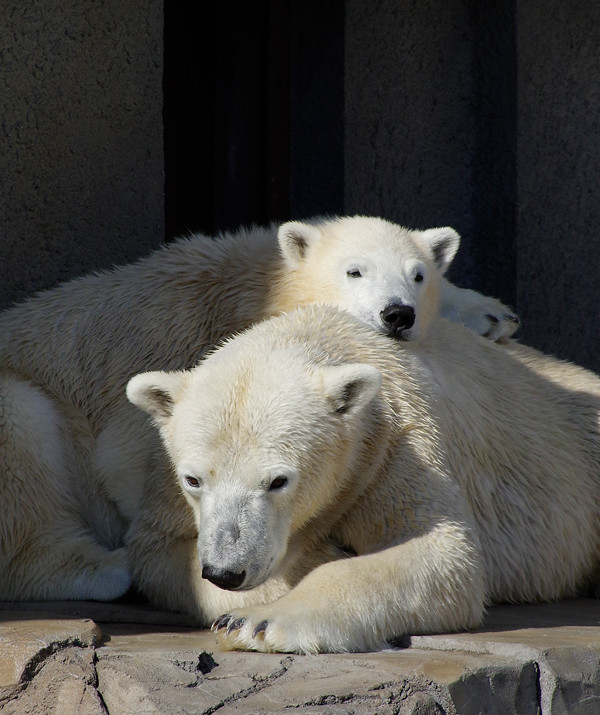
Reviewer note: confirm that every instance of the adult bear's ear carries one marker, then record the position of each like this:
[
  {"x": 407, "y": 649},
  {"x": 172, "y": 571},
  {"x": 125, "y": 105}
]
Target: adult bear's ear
[
  {"x": 443, "y": 244},
  {"x": 350, "y": 388},
  {"x": 156, "y": 392},
  {"x": 295, "y": 238}
]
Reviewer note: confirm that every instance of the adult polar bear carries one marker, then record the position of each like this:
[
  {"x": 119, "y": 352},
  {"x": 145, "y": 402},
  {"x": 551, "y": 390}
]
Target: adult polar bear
[
  {"x": 74, "y": 454},
  {"x": 459, "y": 471}
]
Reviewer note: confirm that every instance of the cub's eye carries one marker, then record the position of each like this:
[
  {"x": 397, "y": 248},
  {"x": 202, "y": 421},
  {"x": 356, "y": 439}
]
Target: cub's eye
[
  {"x": 191, "y": 482},
  {"x": 277, "y": 483},
  {"x": 354, "y": 273},
  {"x": 418, "y": 277}
]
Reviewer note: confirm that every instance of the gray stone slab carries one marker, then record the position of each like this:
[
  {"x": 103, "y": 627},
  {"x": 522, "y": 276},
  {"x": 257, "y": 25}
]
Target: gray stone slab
[
  {"x": 561, "y": 639},
  {"x": 185, "y": 670},
  {"x": 25, "y": 645},
  {"x": 525, "y": 659},
  {"x": 64, "y": 683}
]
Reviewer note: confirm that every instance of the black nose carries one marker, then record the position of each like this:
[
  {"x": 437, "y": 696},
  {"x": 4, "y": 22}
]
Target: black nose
[
  {"x": 228, "y": 580},
  {"x": 396, "y": 318}
]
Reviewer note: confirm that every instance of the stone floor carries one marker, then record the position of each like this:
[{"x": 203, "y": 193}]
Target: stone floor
[{"x": 85, "y": 658}]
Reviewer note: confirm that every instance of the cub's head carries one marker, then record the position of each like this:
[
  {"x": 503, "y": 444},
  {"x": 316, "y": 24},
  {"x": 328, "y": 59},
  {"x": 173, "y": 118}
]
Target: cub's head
[
  {"x": 261, "y": 442},
  {"x": 385, "y": 275}
]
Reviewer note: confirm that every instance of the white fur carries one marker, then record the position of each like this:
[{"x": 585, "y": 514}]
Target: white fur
[
  {"x": 43, "y": 520},
  {"x": 82, "y": 471},
  {"x": 485, "y": 316},
  {"x": 364, "y": 264},
  {"x": 460, "y": 472}
]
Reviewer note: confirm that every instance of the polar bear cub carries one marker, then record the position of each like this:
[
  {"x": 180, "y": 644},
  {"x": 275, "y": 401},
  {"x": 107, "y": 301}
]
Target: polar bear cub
[
  {"x": 389, "y": 277},
  {"x": 74, "y": 464},
  {"x": 425, "y": 460}
]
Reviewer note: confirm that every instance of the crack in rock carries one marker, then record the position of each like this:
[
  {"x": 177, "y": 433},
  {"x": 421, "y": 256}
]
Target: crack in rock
[
  {"x": 37, "y": 662},
  {"x": 260, "y": 683},
  {"x": 96, "y": 683},
  {"x": 61, "y": 672},
  {"x": 394, "y": 697},
  {"x": 330, "y": 700}
]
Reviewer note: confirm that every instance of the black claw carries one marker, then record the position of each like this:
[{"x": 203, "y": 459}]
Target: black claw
[
  {"x": 235, "y": 625},
  {"x": 260, "y": 628},
  {"x": 220, "y": 622}
]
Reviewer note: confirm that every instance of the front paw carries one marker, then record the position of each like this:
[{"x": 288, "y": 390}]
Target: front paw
[
  {"x": 499, "y": 325},
  {"x": 267, "y": 629},
  {"x": 485, "y": 315},
  {"x": 292, "y": 627},
  {"x": 488, "y": 317},
  {"x": 243, "y": 631}
]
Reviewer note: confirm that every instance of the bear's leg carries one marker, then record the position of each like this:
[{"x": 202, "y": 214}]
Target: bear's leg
[
  {"x": 45, "y": 551},
  {"x": 430, "y": 583},
  {"x": 51, "y": 566},
  {"x": 486, "y": 316}
]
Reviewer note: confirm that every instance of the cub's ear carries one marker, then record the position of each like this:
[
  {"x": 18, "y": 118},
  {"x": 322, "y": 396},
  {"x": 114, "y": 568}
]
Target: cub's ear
[
  {"x": 350, "y": 388},
  {"x": 156, "y": 392},
  {"x": 294, "y": 239},
  {"x": 443, "y": 244}
]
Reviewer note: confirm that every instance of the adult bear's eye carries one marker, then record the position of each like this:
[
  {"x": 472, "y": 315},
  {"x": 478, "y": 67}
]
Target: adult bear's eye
[
  {"x": 354, "y": 273},
  {"x": 277, "y": 483},
  {"x": 418, "y": 277},
  {"x": 191, "y": 482}
]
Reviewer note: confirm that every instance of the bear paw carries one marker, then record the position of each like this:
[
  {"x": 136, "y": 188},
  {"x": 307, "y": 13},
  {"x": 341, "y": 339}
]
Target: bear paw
[
  {"x": 486, "y": 316},
  {"x": 255, "y": 629},
  {"x": 499, "y": 327},
  {"x": 237, "y": 633},
  {"x": 294, "y": 627}
]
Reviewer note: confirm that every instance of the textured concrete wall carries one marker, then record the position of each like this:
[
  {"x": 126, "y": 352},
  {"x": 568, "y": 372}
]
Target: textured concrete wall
[
  {"x": 558, "y": 241},
  {"x": 430, "y": 122},
  {"x": 81, "y": 160},
  {"x": 486, "y": 116},
  {"x": 410, "y": 124}
]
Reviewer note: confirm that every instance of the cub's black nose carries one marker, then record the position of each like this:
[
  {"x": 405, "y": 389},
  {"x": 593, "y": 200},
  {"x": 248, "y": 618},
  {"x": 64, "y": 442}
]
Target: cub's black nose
[
  {"x": 229, "y": 580},
  {"x": 397, "y": 318}
]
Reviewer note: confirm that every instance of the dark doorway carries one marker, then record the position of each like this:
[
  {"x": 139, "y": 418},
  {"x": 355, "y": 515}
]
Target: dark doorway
[{"x": 253, "y": 113}]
